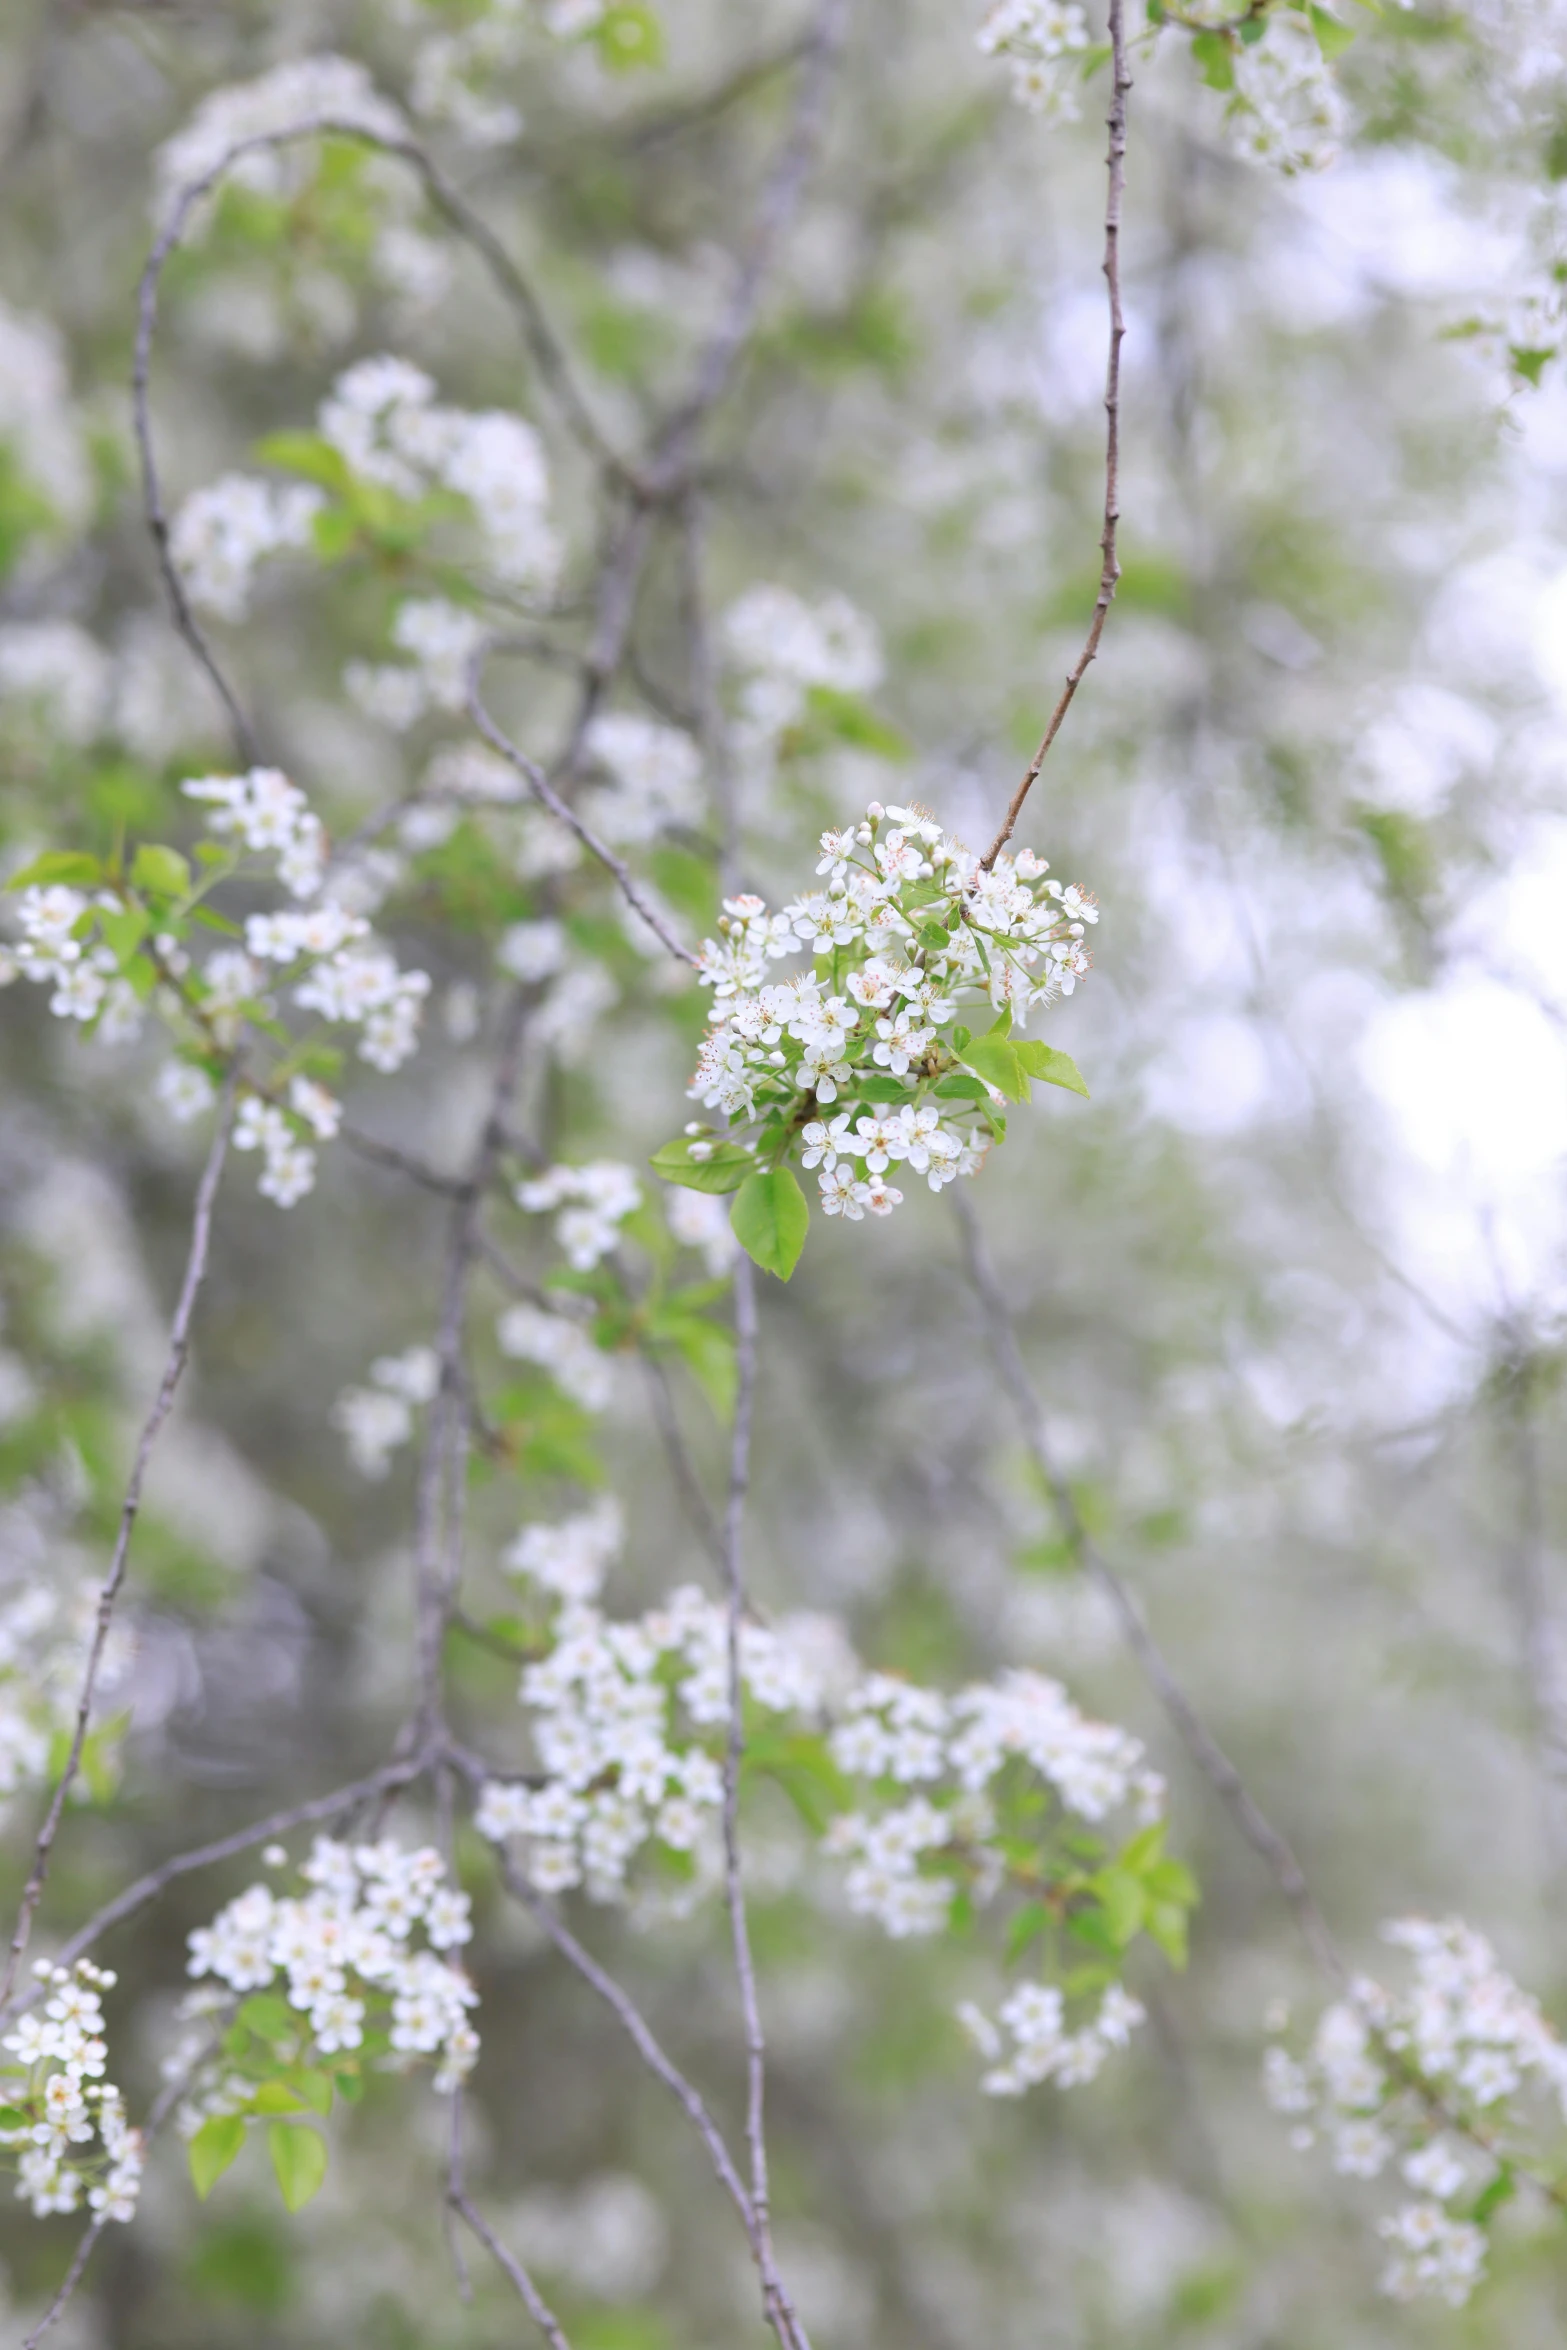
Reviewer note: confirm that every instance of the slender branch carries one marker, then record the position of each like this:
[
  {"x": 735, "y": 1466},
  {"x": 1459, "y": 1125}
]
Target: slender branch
[
  {"x": 1258, "y": 1830},
  {"x": 638, "y": 2030},
  {"x": 775, "y": 2300},
  {"x": 698, "y": 1508},
  {"x": 136, "y": 1896},
  {"x": 400, "y": 1162},
  {"x": 547, "y": 352},
  {"x": 528, "y": 2292},
  {"x": 174, "y": 1365},
  {"x": 539, "y": 783},
  {"x": 1110, "y": 571}
]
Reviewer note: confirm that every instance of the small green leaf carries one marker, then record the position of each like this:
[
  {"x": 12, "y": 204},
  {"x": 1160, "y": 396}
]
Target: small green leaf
[
  {"x": 1043, "y": 1061},
  {"x": 315, "y": 2088},
  {"x": 1211, "y": 52},
  {"x": 875, "y": 1088},
  {"x": 269, "y": 2016},
  {"x": 770, "y": 1220},
  {"x": 125, "y": 931},
  {"x": 1031, "y": 1921},
  {"x": 1333, "y": 38},
  {"x": 849, "y": 720},
  {"x": 162, "y": 872},
  {"x": 71, "y": 866},
  {"x": 308, "y": 455},
  {"x": 213, "y": 2148},
  {"x": 959, "y": 1088},
  {"x": 276, "y": 2097},
  {"x": 333, "y": 531},
  {"x": 995, "y": 1058},
  {"x": 1501, "y": 2190},
  {"x": 1124, "y": 1904},
  {"x": 724, "y": 1167},
  {"x": 299, "y": 2159},
  {"x": 1172, "y": 1882},
  {"x": 12, "y": 2118},
  {"x": 1167, "y": 1926}
]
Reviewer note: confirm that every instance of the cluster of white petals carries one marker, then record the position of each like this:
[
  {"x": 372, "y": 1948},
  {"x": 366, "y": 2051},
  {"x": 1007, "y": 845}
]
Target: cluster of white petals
[
  {"x": 377, "y": 1420},
  {"x": 301, "y": 91},
  {"x": 225, "y": 530},
  {"x": 655, "y": 778},
  {"x": 594, "y": 1201},
  {"x": 908, "y": 926},
  {"x": 778, "y": 647},
  {"x": 561, "y": 1346},
  {"x": 1286, "y": 111},
  {"x": 899, "y": 1735},
  {"x": 346, "y": 1954},
  {"x": 74, "y": 2142},
  {"x": 1029, "y": 2042},
  {"x": 1039, "y": 39},
  {"x": 39, "y": 427},
  {"x": 45, "y": 1635},
  {"x": 1401, "y": 2075}
]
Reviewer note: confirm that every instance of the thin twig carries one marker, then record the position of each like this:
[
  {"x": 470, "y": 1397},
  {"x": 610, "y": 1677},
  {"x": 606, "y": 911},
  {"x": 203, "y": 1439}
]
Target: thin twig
[
  {"x": 1110, "y": 571},
  {"x": 1200, "y": 1742},
  {"x": 698, "y": 1508},
  {"x": 136, "y": 1896},
  {"x": 528, "y": 2292},
  {"x": 638, "y": 2030},
  {"x": 775, "y": 2301},
  {"x": 174, "y": 1365},
  {"x": 539, "y": 783}
]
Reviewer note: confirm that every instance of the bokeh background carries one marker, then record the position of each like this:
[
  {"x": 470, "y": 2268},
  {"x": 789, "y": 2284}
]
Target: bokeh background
[{"x": 1290, "y": 1285}]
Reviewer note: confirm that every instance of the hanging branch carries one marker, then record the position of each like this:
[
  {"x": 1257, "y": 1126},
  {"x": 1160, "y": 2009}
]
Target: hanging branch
[{"x": 1110, "y": 572}]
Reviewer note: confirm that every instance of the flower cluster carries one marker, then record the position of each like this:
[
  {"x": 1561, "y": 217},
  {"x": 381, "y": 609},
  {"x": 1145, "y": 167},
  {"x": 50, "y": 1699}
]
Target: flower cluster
[
  {"x": 912, "y": 1857},
  {"x": 53, "y": 952},
  {"x": 56, "y": 2084},
  {"x": 1428, "y": 2078},
  {"x": 226, "y": 529},
  {"x": 377, "y": 1420},
  {"x": 39, "y": 426},
  {"x": 624, "y": 1716},
  {"x": 655, "y": 778},
  {"x": 908, "y": 925},
  {"x": 780, "y": 649},
  {"x": 563, "y": 1347},
  {"x": 345, "y": 1953},
  {"x": 1037, "y": 38},
  {"x": 1286, "y": 110},
  {"x": 1034, "y": 2045},
  {"x": 301, "y": 91},
  {"x": 594, "y": 1201}
]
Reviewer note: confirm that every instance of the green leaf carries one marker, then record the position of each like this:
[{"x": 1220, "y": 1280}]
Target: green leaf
[
  {"x": 125, "y": 931},
  {"x": 1333, "y": 38},
  {"x": 1144, "y": 1851},
  {"x": 276, "y": 2097},
  {"x": 314, "y": 2087},
  {"x": 995, "y": 1058},
  {"x": 1031, "y": 1921},
  {"x": 628, "y": 36},
  {"x": 71, "y": 866},
  {"x": 801, "y": 1764},
  {"x": 959, "y": 1088},
  {"x": 960, "y": 1038},
  {"x": 269, "y": 2016},
  {"x": 1211, "y": 51},
  {"x": 724, "y": 1168},
  {"x": 771, "y": 1220},
  {"x": 333, "y": 531},
  {"x": 708, "y": 1351},
  {"x": 1124, "y": 1904},
  {"x": 875, "y": 1088},
  {"x": 1172, "y": 1882},
  {"x": 299, "y": 2159},
  {"x": 161, "y": 871},
  {"x": 1501, "y": 2190},
  {"x": 308, "y": 455},
  {"x": 1043, "y": 1061},
  {"x": 213, "y": 2148},
  {"x": 1166, "y": 1925},
  {"x": 12, "y": 2118}
]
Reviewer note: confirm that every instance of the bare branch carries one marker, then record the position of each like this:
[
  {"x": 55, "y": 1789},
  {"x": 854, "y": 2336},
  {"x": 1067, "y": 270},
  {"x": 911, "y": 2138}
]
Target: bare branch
[
  {"x": 174, "y": 1365},
  {"x": 1120, "y": 87},
  {"x": 775, "y": 2301},
  {"x": 528, "y": 2292},
  {"x": 542, "y": 788}
]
